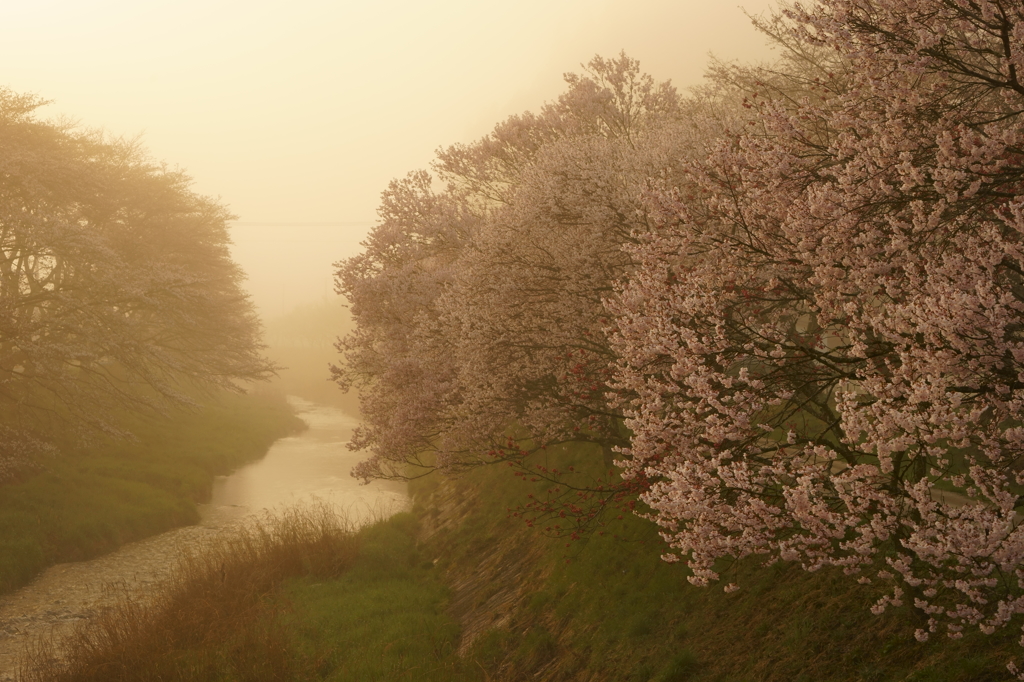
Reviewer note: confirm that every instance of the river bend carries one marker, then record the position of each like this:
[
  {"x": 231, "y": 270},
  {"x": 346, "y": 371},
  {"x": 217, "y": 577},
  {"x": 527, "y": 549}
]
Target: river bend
[{"x": 312, "y": 465}]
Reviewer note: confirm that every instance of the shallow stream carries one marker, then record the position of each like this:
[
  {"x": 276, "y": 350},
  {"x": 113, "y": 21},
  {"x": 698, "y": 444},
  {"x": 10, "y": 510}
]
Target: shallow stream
[{"x": 312, "y": 465}]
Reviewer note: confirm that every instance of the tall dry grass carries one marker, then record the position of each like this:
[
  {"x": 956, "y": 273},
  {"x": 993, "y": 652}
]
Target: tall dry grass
[{"x": 212, "y": 620}]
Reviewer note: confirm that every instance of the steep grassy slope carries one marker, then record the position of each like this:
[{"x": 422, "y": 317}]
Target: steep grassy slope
[{"x": 607, "y": 608}]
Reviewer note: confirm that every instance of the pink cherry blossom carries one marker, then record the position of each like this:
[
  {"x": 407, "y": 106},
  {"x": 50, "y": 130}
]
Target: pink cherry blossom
[{"x": 825, "y": 329}]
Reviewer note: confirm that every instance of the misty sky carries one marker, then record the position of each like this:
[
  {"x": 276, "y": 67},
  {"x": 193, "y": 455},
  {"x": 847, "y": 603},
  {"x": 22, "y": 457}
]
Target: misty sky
[{"x": 298, "y": 114}]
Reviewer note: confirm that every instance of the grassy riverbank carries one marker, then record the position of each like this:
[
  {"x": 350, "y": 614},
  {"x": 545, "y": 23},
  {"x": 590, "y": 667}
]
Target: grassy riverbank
[
  {"x": 607, "y": 608},
  {"x": 299, "y": 597},
  {"x": 459, "y": 591},
  {"x": 91, "y": 500}
]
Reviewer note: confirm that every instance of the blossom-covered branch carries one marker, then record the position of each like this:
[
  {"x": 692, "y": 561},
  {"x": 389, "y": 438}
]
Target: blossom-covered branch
[{"x": 825, "y": 332}]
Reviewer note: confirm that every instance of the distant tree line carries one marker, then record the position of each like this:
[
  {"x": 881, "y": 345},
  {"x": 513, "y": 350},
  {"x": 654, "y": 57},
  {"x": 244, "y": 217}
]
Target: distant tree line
[
  {"x": 790, "y": 302},
  {"x": 117, "y": 291}
]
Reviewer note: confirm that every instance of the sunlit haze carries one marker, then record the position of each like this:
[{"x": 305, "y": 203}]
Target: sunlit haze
[{"x": 297, "y": 115}]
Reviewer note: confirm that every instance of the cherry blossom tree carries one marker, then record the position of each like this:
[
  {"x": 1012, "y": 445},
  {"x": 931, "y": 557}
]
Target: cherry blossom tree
[
  {"x": 820, "y": 348},
  {"x": 117, "y": 291},
  {"x": 479, "y": 306},
  {"x": 395, "y": 356}
]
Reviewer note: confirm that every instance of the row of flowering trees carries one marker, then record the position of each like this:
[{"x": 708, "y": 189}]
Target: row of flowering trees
[
  {"x": 480, "y": 304},
  {"x": 792, "y": 301},
  {"x": 117, "y": 292}
]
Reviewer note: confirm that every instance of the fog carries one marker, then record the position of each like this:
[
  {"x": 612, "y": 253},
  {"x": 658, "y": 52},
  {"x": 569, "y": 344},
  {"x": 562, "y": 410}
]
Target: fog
[{"x": 297, "y": 115}]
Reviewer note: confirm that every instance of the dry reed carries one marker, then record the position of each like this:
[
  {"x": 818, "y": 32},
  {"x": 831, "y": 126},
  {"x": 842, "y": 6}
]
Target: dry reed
[{"x": 211, "y": 618}]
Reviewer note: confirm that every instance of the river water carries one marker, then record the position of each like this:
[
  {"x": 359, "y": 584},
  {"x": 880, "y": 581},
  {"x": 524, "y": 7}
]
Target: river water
[
  {"x": 311, "y": 466},
  {"x": 314, "y": 464}
]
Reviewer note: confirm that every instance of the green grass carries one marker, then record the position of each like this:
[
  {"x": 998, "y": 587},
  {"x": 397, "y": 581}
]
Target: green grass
[
  {"x": 301, "y": 597},
  {"x": 217, "y": 617},
  {"x": 91, "y": 500},
  {"x": 602, "y": 608},
  {"x": 609, "y": 608},
  {"x": 384, "y": 619}
]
